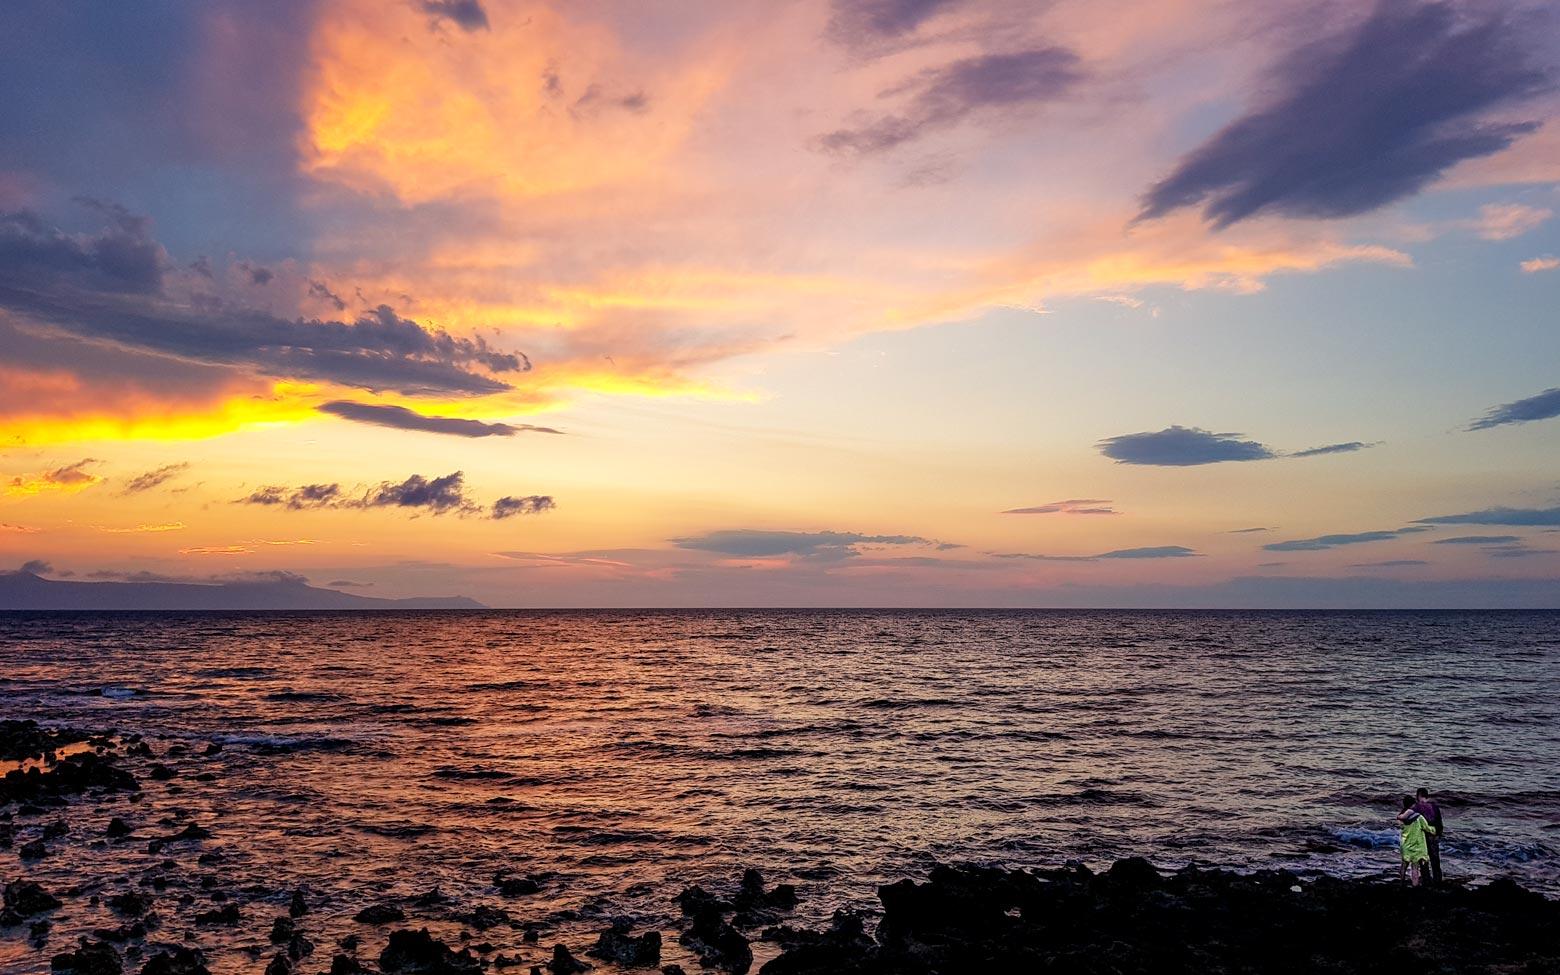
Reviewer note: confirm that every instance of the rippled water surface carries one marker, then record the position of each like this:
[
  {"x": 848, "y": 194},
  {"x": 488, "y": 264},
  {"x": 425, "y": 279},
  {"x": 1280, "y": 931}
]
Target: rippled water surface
[{"x": 372, "y": 756}]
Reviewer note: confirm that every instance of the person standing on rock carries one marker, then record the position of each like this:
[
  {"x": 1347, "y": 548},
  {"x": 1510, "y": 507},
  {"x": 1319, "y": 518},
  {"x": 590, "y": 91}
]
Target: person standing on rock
[
  {"x": 1432, "y": 813},
  {"x": 1412, "y": 843}
]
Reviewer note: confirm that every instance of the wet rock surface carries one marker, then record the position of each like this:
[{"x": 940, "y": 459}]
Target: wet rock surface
[{"x": 1133, "y": 919}]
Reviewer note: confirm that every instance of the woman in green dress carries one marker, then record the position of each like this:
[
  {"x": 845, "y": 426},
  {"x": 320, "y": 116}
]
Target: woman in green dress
[{"x": 1413, "y": 843}]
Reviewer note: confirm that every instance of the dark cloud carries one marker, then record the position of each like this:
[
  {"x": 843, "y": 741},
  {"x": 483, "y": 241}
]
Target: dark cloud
[
  {"x": 154, "y": 478},
  {"x": 1178, "y": 446},
  {"x": 258, "y": 275},
  {"x": 1389, "y": 564},
  {"x": 1544, "y": 406},
  {"x": 531, "y": 504},
  {"x": 1246, "y": 531},
  {"x": 108, "y": 288},
  {"x": 122, "y": 259},
  {"x": 1363, "y": 119},
  {"x": 1150, "y": 552},
  {"x": 1333, "y": 448},
  {"x": 439, "y": 495},
  {"x": 297, "y": 499},
  {"x": 318, "y": 289},
  {"x": 1322, "y": 542},
  {"x": 402, "y": 418},
  {"x": 1075, "y": 506},
  {"x": 856, "y": 22},
  {"x": 1515, "y": 517},
  {"x": 37, "y": 567},
  {"x": 945, "y": 96},
  {"x": 468, "y": 15},
  {"x": 826, "y": 546},
  {"x": 1477, "y": 540}
]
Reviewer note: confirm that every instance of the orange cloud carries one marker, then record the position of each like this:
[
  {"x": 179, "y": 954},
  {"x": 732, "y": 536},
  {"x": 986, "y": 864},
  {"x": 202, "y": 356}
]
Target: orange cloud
[
  {"x": 69, "y": 479},
  {"x": 539, "y": 105}
]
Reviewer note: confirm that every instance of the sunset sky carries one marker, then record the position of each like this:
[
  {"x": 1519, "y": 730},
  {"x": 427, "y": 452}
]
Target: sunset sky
[{"x": 786, "y": 302}]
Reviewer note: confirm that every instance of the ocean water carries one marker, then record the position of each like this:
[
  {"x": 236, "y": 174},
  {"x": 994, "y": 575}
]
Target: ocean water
[{"x": 621, "y": 755}]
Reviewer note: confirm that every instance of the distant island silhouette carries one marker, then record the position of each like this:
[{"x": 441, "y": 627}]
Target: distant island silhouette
[{"x": 25, "y": 590}]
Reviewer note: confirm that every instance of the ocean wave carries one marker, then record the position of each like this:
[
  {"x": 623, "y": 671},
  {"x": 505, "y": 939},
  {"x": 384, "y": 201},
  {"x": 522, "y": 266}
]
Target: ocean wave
[{"x": 284, "y": 744}]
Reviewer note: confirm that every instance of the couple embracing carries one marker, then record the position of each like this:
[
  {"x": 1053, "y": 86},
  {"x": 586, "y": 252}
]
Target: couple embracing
[{"x": 1420, "y": 843}]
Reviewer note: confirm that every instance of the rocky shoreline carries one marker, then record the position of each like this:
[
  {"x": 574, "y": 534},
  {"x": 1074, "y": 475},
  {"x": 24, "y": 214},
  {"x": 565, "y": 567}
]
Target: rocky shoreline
[{"x": 177, "y": 914}]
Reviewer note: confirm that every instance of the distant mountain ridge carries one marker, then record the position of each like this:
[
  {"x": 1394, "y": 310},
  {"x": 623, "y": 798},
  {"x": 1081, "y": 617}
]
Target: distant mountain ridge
[{"x": 26, "y": 590}]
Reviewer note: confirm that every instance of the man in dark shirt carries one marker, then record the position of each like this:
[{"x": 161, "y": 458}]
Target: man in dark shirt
[{"x": 1432, "y": 814}]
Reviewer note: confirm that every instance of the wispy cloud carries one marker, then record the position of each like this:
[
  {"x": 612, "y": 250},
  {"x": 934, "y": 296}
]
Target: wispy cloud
[
  {"x": 1360, "y": 120},
  {"x": 1477, "y": 540},
  {"x": 401, "y": 418},
  {"x": 71, "y": 477},
  {"x": 1547, "y": 262},
  {"x": 153, "y": 478},
  {"x": 1333, "y": 448},
  {"x": 821, "y": 546},
  {"x": 1149, "y": 552},
  {"x": 1514, "y": 517},
  {"x": 1321, "y": 542},
  {"x": 1075, "y": 506},
  {"x": 1388, "y": 564},
  {"x": 152, "y": 529},
  {"x": 945, "y": 96},
  {"x": 1542, "y": 406},
  {"x": 1504, "y": 221}
]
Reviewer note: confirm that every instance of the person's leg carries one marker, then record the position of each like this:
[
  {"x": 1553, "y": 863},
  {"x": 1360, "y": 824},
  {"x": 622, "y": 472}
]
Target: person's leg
[
  {"x": 1435, "y": 860},
  {"x": 1413, "y": 874}
]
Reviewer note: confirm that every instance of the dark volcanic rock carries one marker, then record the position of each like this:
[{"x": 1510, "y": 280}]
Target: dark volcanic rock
[
  {"x": 419, "y": 951},
  {"x": 296, "y": 907},
  {"x": 159, "y": 773},
  {"x": 228, "y": 914},
  {"x": 71, "y": 775},
  {"x": 696, "y": 900},
  {"x": 1132, "y": 920},
  {"x": 25, "y": 898},
  {"x": 130, "y": 903},
  {"x": 718, "y": 944},
  {"x": 484, "y": 917},
  {"x": 515, "y": 886},
  {"x": 280, "y": 965},
  {"x": 179, "y": 961},
  {"x": 282, "y": 930},
  {"x": 92, "y": 958},
  {"x": 344, "y": 965},
  {"x": 755, "y": 905},
  {"x": 36, "y": 850},
  {"x": 564, "y": 963},
  {"x": 379, "y": 914},
  {"x": 622, "y": 948},
  {"x": 117, "y": 828}
]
